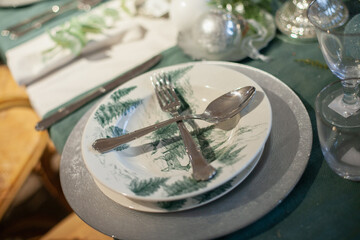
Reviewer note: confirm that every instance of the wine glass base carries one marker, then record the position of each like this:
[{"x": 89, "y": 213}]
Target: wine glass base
[
  {"x": 345, "y": 111},
  {"x": 339, "y": 136},
  {"x": 347, "y": 170}
]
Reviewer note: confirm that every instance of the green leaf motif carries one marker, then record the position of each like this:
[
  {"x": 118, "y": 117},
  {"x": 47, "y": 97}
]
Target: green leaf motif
[
  {"x": 75, "y": 34},
  {"x": 172, "y": 205},
  {"x": 186, "y": 185},
  {"x": 115, "y": 131},
  {"x": 171, "y": 156},
  {"x": 146, "y": 187},
  {"x": 204, "y": 141},
  {"x": 229, "y": 156},
  {"x": 246, "y": 129},
  {"x": 172, "y": 147},
  {"x": 164, "y": 133},
  {"x": 313, "y": 63},
  {"x": 177, "y": 74},
  {"x": 213, "y": 193},
  {"x": 184, "y": 89},
  {"x": 117, "y": 95},
  {"x": 112, "y": 110}
]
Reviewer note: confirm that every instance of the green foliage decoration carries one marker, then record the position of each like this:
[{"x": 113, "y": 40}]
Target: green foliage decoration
[
  {"x": 186, "y": 185},
  {"x": 74, "y": 34},
  {"x": 313, "y": 63},
  {"x": 146, "y": 187},
  {"x": 115, "y": 131},
  {"x": 172, "y": 205},
  {"x": 112, "y": 110},
  {"x": 213, "y": 193}
]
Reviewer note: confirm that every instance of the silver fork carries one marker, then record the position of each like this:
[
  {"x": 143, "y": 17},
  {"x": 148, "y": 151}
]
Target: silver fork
[{"x": 169, "y": 102}]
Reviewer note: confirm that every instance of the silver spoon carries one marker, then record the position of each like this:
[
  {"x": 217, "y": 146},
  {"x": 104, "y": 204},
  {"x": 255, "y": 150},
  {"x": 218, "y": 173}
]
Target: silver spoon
[{"x": 220, "y": 109}]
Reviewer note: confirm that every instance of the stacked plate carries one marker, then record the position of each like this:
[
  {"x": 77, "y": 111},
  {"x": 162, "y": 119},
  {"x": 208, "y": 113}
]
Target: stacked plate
[{"x": 153, "y": 173}]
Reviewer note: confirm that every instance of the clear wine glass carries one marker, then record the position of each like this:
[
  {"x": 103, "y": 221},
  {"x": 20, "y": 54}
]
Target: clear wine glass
[{"x": 337, "y": 24}]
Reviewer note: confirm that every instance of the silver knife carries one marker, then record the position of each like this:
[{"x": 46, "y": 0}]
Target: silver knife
[{"x": 66, "y": 110}]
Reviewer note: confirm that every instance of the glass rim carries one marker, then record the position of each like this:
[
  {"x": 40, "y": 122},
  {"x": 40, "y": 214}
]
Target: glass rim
[{"x": 326, "y": 30}]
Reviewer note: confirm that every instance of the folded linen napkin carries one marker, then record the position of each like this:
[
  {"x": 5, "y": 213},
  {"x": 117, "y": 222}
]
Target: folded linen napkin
[
  {"x": 29, "y": 61},
  {"x": 132, "y": 41},
  {"x": 89, "y": 71}
]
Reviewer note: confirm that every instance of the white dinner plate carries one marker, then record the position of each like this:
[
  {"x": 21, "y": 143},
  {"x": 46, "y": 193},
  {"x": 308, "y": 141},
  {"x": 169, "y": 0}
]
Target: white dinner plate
[
  {"x": 155, "y": 167},
  {"x": 182, "y": 204}
]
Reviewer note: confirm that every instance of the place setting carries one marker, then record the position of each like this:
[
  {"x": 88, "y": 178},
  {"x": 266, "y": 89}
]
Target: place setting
[
  {"x": 150, "y": 176},
  {"x": 156, "y": 167},
  {"x": 183, "y": 119},
  {"x": 178, "y": 145}
]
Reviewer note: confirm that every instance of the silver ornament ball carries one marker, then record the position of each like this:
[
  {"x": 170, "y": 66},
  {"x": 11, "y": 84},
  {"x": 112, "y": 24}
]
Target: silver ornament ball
[{"x": 217, "y": 31}]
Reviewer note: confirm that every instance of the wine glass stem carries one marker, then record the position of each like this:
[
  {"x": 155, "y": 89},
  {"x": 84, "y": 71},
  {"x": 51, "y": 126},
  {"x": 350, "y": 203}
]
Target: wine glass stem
[{"x": 351, "y": 90}]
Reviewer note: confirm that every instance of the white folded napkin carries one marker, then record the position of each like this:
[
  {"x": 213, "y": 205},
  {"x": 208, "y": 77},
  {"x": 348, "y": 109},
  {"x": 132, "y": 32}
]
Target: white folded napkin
[
  {"x": 28, "y": 62},
  {"x": 132, "y": 41}
]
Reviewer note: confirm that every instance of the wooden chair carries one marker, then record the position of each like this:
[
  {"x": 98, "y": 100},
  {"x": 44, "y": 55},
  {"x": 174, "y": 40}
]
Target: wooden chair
[
  {"x": 72, "y": 227},
  {"x": 22, "y": 148},
  {"x": 10, "y": 93}
]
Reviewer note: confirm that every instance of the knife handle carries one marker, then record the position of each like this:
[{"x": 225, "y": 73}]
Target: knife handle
[
  {"x": 65, "y": 111},
  {"x": 104, "y": 145}
]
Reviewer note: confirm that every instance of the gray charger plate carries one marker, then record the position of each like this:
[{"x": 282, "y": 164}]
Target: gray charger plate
[{"x": 285, "y": 157}]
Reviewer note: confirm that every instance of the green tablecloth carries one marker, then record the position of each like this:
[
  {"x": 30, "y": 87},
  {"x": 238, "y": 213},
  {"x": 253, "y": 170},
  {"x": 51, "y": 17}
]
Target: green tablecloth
[{"x": 322, "y": 205}]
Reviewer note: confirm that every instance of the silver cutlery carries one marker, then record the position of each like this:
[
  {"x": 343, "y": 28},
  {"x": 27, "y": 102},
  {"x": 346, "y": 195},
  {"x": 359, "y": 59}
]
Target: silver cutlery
[
  {"x": 220, "y": 109},
  {"x": 66, "y": 110},
  {"x": 37, "y": 21},
  {"x": 169, "y": 102}
]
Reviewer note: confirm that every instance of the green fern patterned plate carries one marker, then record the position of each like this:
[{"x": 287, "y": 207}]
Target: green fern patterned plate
[
  {"x": 182, "y": 204},
  {"x": 155, "y": 167}
]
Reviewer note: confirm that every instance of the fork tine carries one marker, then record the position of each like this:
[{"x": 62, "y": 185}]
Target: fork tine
[
  {"x": 164, "y": 91},
  {"x": 171, "y": 89},
  {"x": 155, "y": 82}
]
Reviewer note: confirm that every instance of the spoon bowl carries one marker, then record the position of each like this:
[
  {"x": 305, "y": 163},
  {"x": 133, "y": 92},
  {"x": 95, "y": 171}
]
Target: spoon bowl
[{"x": 227, "y": 105}]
